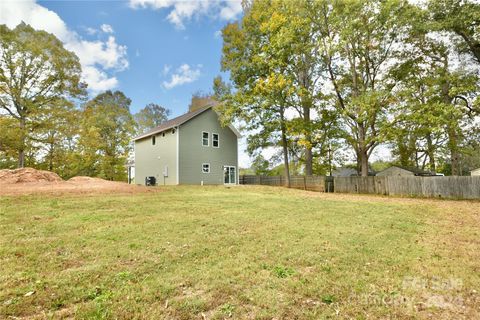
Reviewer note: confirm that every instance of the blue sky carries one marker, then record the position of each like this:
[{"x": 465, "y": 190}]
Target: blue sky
[{"x": 157, "y": 51}]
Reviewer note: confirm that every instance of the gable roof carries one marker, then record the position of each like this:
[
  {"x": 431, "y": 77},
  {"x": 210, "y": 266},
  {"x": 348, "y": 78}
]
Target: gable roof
[
  {"x": 175, "y": 122},
  {"x": 414, "y": 170}
]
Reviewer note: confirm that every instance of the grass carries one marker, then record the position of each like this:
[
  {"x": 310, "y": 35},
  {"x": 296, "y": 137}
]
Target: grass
[{"x": 240, "y": 253}]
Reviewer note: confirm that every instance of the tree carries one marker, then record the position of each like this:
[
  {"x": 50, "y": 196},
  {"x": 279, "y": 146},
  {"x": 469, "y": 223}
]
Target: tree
[
  {"x": 435, "y": 109},
  {"x": 35, "y": 71},
  {"x": 200, "y": 100},
  {"x": 260, "y": 165},
  {"x": 150, "y": 117},
  {"x": 461, "y": 17},
  {"x": 57, "y": 137},
  {"x": 360, "y": 40},
  {"x": 262, "y": 90},
  {"x": 106, "y": 130}
]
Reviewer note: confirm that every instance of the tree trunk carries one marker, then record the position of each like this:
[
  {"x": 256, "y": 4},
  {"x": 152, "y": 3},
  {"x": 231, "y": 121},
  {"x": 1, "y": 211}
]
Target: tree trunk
[
  {"x": 285, "y": 150},
  {"x": 431, "y": 153},
  {"x": 454, "y": 154},
  {"x": 308, "y": 138},
  {"x": 21, "y": 151},
  {"x": 364, "y": 162},
  {"x": 362, "y": 153}
]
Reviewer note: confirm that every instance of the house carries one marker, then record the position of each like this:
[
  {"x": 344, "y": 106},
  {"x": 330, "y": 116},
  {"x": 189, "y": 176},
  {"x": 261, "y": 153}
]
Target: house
[
  {"x": 193, "y": 148},
  {"x": 475, "y": 172},
  {"x": 349, "y": 172},
  {"x": 344, "y": 172},
  {"x": 404, "y": 171}
]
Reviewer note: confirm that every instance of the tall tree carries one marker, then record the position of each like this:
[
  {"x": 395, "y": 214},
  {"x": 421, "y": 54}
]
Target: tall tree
[
  {"x": 106, "y": 130},
  {"x": 150, "y": 117},
  {"x": 262, "y": 91},
  {"x": 461, "y": 17},
  {"x": 360, "y": 40},
  {"x": 35, "y": 71}
]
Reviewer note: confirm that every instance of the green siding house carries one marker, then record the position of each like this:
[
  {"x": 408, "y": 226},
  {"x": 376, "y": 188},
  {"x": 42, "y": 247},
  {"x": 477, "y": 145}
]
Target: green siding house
[{"x": 190, "y": 149}]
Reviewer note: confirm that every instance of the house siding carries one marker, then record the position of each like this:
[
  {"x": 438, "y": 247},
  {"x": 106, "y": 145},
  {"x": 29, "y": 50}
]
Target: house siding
[
  {"x": 150, "y": 160},
  {"x": 192, "y": 154}
]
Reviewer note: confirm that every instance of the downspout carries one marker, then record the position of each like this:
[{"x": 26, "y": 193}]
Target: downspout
[{"x": 178, "y": 154}]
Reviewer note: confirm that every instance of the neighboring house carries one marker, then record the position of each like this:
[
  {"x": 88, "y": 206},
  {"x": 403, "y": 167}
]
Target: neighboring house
[
  {"x": 190, "y": 149},
  {"x": 404, "y": 171},
  {"x": 349, "y": 172},
  {"x": 344, "y": 172},
  {"x": 475, "y": 172}
]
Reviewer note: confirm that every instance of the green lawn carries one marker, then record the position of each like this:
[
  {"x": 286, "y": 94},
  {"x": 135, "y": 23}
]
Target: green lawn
[{"x": 241, "y": 253}]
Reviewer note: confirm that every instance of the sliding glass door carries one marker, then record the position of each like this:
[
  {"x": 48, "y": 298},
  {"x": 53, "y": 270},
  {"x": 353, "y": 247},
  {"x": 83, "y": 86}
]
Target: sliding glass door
[{"x": 229, "y": 175}]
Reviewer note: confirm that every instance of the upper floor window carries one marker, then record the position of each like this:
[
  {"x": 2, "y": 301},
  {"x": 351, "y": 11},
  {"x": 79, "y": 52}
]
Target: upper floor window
[
  {"x": 205, "y": 139},
  {"x": 215, "y": 141},
  {"x": 153, "y": 140}
]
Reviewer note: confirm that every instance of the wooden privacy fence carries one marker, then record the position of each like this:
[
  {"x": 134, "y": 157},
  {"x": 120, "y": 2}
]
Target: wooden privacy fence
[
  {"x": 432, "y": 187},
  {"x": 312, "y": 183}
]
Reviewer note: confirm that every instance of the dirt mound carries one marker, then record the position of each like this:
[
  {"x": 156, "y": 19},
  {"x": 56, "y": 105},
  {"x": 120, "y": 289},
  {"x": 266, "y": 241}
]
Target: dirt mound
[
  {"x": 25, "y": 175},
  {"x": 84, "y": 179},
  {"x": 31, "y": 181}
]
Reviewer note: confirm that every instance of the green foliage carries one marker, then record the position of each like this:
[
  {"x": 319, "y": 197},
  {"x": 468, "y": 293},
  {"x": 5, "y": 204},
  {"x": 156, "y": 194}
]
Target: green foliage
[
  {"x": 106, "y": 130},
  {"x": 260, "y": 165},
  {"x": 461, "y": 18},
  {"x": 36, "y": 72},
  {"x": 282, "y": 272},
  {"x": 150, "y": 117}
]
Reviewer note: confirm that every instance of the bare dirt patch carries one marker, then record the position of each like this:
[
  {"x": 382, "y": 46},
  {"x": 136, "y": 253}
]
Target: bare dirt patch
[{"x": 31, "y": 181}]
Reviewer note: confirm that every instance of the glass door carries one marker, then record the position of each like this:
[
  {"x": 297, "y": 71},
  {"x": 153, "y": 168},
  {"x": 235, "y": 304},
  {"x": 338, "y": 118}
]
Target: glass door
[{"x": 229, "y": 175}]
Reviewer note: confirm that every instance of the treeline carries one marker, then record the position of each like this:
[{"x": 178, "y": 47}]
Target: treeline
[
  {"x": 46, "y": 120},
  {"x": 311, "y": 77}
]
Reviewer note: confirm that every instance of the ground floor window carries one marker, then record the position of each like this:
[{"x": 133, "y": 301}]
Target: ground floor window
[{"x": 206, "y": 168}]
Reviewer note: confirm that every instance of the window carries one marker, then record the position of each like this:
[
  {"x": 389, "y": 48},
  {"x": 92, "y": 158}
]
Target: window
[
  {"x": 205, "y": 139},
  {"x": 206, "y": 168},
  {"x": 215, "y": 141},
  {"x": 153, "y": 140}
]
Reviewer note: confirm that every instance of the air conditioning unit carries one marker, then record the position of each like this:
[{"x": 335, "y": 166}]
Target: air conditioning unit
[{"x": 150, "y": 181}]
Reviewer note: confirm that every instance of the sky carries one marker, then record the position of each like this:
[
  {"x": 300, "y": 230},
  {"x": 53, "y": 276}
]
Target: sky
[{"x": 155, "y": 51}]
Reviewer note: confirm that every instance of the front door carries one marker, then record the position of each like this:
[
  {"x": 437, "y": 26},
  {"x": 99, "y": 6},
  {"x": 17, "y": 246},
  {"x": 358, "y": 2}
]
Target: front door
[{"x": 229, "y": 175}]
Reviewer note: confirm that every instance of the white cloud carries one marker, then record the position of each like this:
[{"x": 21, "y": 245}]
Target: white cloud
[
  {"x": 185, "y": 10},
  {"x": 98, "y": 58},
  {"x": 91, "y": 31},
  {"x": 106, "y": 28},
  {"x": 184, "y": 74},
  {"x": 218, "y": 34},
  {"x": 166, "y": 69}
]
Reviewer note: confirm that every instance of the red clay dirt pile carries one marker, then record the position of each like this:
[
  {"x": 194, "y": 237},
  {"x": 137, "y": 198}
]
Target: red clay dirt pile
[
  {"x": 32, "y": 181},
  {"x": 27, "y": 175}
]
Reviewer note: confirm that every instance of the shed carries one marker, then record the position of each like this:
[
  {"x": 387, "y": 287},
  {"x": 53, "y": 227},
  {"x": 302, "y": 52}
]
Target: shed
[
  {"x": 475, "y": 172},
  {"x": 404, "y": 171}
]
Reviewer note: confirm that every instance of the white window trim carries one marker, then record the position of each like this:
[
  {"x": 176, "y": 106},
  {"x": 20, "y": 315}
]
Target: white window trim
[
  {"x": 208, "y": 139},
  {"x": 203, "y": 164},
  {"x": 218, "y": 140}
]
